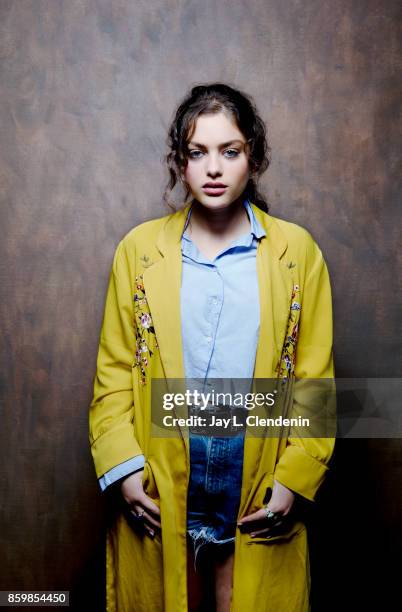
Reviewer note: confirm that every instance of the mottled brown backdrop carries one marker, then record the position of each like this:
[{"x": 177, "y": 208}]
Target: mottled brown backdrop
[{"x": 87, "y": 93}]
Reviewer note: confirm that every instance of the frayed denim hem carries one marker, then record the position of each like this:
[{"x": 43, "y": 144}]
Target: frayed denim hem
[{"x": 201, "y": 537}]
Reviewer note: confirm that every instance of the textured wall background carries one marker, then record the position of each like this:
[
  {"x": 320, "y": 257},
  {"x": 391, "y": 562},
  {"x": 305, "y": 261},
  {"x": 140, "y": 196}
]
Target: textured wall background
[{"x": 87, "y": 93}]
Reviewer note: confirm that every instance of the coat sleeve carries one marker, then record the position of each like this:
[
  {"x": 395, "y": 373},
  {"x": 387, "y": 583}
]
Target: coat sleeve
[
  {"x": 303, "y": 464},
  {"x": 112, "y": 411}
]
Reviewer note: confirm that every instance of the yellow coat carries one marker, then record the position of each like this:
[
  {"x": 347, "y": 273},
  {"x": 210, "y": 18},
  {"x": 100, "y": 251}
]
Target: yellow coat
[{"x": 140, "y": 341}]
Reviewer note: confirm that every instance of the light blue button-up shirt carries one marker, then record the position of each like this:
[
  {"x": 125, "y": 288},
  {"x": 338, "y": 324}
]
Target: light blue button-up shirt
[
  {"x": 220, "y": 316},
  {"x": 220, "y": 309}
]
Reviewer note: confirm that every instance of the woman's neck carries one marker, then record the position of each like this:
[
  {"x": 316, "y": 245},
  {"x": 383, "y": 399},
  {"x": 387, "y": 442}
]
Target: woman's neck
[{"x": 224, "y": 223}]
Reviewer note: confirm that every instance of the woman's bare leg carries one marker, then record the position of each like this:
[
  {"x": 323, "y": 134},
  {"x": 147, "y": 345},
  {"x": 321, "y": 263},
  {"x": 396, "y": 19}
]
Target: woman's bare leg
[
  {"x": 195, "y": 583},
  {"x": 223, "y": 570}
]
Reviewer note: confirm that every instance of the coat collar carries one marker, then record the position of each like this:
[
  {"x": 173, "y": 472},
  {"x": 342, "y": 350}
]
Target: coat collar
[{"x": 170, "y": 235}]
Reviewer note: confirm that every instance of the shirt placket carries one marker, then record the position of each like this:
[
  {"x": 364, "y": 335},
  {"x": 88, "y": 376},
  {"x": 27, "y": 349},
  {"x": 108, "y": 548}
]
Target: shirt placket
[{"x": 213, "y": 311}]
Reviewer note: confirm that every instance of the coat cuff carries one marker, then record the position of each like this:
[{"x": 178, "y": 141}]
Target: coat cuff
[
  {"x": 114, "y": 447},
  {"x": 121, "y": 471},
  {"x": 300, "y": 472}
]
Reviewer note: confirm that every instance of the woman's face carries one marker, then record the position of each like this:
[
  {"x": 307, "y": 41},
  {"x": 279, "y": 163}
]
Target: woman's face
[{"x": 217, "y": 156}]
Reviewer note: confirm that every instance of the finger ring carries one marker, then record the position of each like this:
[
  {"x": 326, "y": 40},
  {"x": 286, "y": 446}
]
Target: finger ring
[
  {"x": 271, "y": 515},
  {"x": 140, "y": 515}
]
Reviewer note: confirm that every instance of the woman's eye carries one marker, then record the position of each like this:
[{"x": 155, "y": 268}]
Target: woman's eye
[
  {"x": 194, "y": 154},
  {"x": 232, "y": 152}
]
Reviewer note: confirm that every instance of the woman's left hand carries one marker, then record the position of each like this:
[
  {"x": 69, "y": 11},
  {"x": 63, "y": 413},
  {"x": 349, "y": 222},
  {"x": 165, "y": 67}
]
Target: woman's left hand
[{"x": 281, "y": 502}]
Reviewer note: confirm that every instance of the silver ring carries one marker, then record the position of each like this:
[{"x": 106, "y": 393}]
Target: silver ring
[
  {"x": 271, "y": 515},
  {"x": 140, "y": 515}
]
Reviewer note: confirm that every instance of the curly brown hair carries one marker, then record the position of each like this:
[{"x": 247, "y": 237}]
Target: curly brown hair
[{"x": 209, "y": 99}]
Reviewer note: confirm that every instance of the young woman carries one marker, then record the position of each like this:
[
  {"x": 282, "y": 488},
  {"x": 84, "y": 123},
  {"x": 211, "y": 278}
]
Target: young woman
[{"x": 219, "y": 289}]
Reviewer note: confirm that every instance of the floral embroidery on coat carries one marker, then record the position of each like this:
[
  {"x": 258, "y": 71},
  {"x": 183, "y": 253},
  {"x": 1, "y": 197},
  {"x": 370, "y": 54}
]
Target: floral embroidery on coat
[
  {"x": 287, "y": 361},
  {"x": 144, "y": 330}
]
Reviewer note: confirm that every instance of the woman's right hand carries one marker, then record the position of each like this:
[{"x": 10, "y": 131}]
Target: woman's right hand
[{"x": 133, "y": 493}]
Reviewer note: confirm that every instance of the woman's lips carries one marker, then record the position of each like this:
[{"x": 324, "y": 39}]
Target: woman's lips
[{"x": 214, "y": 191}]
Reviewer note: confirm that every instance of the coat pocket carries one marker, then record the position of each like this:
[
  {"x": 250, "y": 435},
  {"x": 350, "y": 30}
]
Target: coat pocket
[
  {"x": 260, "y": 493},
  {"x": 291, "y": 526},
  {"x": 289, "y": 530}
]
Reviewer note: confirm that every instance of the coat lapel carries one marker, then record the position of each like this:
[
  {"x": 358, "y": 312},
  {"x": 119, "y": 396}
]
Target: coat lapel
[
  {"x": 162, "y": 282},
  {"x": 275, "y": 290}
]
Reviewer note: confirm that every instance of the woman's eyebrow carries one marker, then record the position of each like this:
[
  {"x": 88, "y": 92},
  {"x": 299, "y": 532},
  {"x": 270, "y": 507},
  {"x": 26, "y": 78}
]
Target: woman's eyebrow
[{"x": 224, "y": 144}]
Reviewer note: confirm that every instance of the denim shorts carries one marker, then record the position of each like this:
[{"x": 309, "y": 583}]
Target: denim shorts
[{"x": 216, "y": 466}]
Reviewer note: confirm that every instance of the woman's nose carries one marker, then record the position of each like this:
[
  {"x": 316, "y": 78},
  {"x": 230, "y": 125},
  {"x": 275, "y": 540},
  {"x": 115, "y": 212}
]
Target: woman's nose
[{"x": 214, "y": 166}]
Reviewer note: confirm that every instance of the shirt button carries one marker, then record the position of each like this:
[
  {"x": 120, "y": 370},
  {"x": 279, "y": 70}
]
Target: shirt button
[
  {"x": 209, "y": 339},
  {"x": 214, "y": 301}
]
